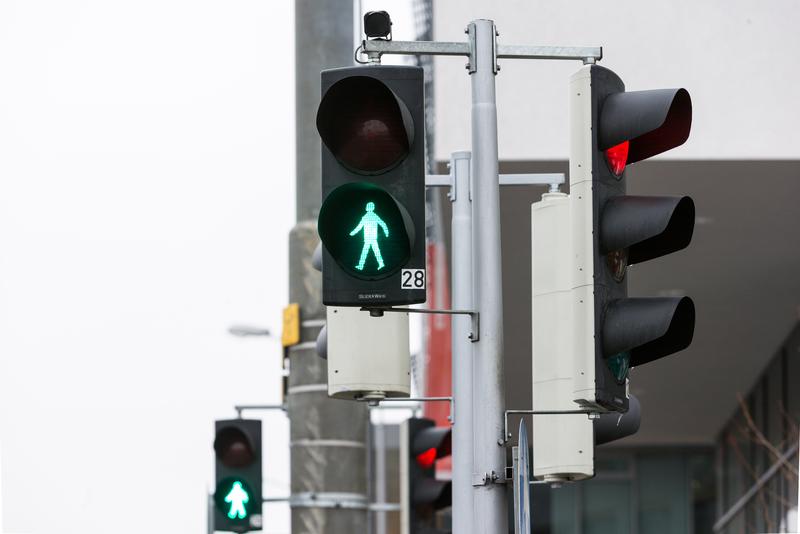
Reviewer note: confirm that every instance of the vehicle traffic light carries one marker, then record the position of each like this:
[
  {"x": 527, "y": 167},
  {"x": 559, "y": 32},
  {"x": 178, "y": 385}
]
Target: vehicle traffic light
[
  {"x": 372, "y": 218},
  {"x": 237, "y": 497},
  {"x": 610, "y": 129},
  {"x": 587, "y": 332},
  {"x": 421, "y": 494}
]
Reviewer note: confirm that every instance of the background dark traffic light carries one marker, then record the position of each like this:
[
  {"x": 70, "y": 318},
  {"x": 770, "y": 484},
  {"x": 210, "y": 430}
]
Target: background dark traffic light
[
  {"x": 422, "y": 494},
  {"x": 237, "y": 494}
]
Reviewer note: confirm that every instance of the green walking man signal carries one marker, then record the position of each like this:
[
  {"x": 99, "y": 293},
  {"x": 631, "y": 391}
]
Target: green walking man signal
[
  {"x": 237, "y": 498},
  {"x": 369, "y": 223}
]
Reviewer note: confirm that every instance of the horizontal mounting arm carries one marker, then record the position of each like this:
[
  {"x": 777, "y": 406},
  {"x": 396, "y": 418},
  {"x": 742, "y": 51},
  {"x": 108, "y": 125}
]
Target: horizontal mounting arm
[
  {"x": 587, "y": 54},
  {"x": 475, "y": 316},
  {"x": 242, "y": 407}
]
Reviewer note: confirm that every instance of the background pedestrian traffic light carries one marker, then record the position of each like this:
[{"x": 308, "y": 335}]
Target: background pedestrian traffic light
[
  {"x": 372, "y": 218},
  {"x": 237, "y": 495},
  {"x": 611, "y": 129},
  {"x": 422, "y": 495}
]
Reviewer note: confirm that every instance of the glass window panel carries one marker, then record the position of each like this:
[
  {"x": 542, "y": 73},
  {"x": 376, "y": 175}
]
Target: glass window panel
[
  {"x": 793, "y": 374},
  {"x": 702, "y": 480},
  {"x": 615, "y": 464},
  {"x": 606, "y": 507},
  {"x": 663, "y": 499},
  {"x": 563, "y": 509}
]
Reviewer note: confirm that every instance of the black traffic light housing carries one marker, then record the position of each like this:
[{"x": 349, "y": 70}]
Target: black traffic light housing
[
  {"x": 238, "y": 482},
  {"x": 628, "y": 127},
  {"x": 422, "y": 444},
  {"x": 372, "y": 218}
]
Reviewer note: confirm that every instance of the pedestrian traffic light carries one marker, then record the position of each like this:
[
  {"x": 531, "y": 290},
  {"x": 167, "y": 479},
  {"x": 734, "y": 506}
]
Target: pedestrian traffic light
[
  {"x": 372, "y": 218},
  {"x": 610, "y": 129},
  {"x": 421, "y": 493},
  {"x": 237, "y": 497}
]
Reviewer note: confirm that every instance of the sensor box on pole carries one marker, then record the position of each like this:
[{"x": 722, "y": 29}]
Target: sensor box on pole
[{"x": 368, "y": 357}]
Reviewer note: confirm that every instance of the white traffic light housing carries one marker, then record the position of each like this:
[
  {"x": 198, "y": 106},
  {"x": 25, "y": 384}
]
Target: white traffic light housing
[{"x": 368, "y": 357}]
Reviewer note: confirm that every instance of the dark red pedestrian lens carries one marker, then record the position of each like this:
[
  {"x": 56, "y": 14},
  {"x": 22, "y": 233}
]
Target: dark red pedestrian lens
[{"x": 365, "y": 126}]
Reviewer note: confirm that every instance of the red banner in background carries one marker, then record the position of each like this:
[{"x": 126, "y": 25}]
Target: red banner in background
[{"x": 438, "y": 361}]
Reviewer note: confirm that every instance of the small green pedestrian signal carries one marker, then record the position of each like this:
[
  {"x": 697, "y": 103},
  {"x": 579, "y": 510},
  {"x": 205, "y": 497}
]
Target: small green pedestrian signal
[
  {"x": 370, "y": 222},
  {"x": 237, "y": 498}
]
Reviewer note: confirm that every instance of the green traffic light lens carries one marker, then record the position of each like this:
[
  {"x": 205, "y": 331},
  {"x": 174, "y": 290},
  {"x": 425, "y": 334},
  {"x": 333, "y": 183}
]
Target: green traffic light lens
[
  {"x": 619, "y": 365},
  {"x": 233, "y": 498},
  {"x": 366, "y": 230}
]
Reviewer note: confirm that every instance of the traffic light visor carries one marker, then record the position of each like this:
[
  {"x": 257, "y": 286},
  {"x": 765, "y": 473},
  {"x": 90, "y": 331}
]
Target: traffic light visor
[
  {"x": 611, "y": 426},
  {"x": 233, "y": 447},
  {"x": 436, "y": 494},
  {"x": 367, "y": 128},
  {"x": 648, "y": 227},
  {"x": 648, "y": 328},
  {"x": 652, "y": 121}
]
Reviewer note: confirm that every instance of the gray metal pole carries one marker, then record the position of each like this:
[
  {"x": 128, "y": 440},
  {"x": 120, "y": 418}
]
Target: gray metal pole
[
  {"x": 380, "y": 475},
  {"x": 210, "y": 514},
  {"x": 461, "y": 227},
  {"x": 328, "y": 437},
  {"x": 491, "y": 515}
]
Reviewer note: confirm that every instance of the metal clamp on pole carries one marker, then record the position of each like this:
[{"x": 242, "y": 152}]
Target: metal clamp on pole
[{"x": 475, "y": 316}]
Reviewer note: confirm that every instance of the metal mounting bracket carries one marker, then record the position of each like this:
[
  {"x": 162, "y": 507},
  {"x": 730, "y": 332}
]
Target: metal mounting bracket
[
  {"x": 451, "y": 417},
  {"x": 484, "y": 479},
  {"x": 242, "y": 407},
  {"x": 475, "y": 316},
  {"x": 591, "y": 414}
]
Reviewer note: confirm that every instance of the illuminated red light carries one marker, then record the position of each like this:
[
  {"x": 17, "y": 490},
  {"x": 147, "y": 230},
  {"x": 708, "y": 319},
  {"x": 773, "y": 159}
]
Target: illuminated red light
[
  {"x": 426, "y": 459},
  {"x": 617, "y": 157}
]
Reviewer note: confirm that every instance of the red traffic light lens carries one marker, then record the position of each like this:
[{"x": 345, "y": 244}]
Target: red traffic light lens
[
  {"x": 366, "y": 127},
  {"x": 617, "y": 157},
  {"x": 427, "y": 458},
  {"x": 233, "y": 448}
]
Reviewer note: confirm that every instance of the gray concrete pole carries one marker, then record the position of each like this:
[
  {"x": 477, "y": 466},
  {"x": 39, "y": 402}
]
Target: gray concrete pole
[
  {"x": 461, "y": 228},
  {"x": 327, "y": 437},
  {"x": 491, "y": 515},
  {"x": 323, "y": 39}
]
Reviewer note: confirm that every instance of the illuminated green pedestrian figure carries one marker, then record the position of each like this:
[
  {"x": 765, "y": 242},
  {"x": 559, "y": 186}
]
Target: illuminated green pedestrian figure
[
  {"x": 370, "y": 222},
  {"x": 237, "y": 498}
]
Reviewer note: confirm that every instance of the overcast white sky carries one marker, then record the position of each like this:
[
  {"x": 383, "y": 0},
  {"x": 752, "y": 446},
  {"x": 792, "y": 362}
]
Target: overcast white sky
[{"x": 146, "y": 193}]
